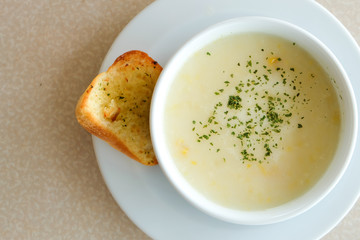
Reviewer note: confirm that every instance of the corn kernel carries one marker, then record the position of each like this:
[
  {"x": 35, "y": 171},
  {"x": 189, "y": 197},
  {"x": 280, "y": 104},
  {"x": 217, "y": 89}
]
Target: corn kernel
[
  {"x": 288, "y": 149},
  {"x": 272, "y": 59},
  {"x": 263, "y": 171},
  {"x": 336, "y": 118}
]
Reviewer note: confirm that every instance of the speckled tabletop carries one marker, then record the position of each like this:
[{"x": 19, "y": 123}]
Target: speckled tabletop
[{"x": 50, "y": 183}]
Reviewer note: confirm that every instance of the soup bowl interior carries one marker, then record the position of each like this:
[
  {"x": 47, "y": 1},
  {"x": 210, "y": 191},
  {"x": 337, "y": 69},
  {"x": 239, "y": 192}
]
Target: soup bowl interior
[{"x": 341, "y": 85}]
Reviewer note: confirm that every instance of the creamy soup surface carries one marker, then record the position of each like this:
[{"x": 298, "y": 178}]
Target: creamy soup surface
[{"x": 252, "y": 121}]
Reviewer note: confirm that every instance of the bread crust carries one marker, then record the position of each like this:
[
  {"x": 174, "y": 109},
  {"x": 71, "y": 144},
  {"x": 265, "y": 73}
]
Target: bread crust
[{"x": 91, "y": 122}]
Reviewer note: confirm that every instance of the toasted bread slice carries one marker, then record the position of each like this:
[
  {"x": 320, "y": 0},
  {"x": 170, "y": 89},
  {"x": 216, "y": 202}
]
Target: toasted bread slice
[{"x": 116, "y": 105}]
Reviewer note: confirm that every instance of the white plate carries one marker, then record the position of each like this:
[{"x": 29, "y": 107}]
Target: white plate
[{"x": 144, "y": 193}]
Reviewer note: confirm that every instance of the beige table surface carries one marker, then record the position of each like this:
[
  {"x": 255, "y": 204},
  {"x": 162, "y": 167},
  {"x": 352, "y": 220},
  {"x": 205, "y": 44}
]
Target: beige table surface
[{"x": 50, "y": 184}]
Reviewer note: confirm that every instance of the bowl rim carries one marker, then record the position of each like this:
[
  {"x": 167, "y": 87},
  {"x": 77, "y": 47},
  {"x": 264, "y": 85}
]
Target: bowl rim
[{"x": 262, "y": 217}]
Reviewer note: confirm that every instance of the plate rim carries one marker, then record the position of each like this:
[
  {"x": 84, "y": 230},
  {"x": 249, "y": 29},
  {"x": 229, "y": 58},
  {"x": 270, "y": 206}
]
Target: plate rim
[{"x": 105, "y": 65}]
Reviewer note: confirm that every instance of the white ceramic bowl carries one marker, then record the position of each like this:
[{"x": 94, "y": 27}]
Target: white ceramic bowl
[{"x": 347, "y": 105}]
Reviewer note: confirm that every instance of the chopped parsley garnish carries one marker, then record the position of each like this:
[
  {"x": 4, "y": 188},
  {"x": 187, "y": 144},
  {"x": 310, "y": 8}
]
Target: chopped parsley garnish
[
  {"x": 257, "y": 125},
  {"x": 249, "y": 63},
  {"x": 234, "y": 102}
]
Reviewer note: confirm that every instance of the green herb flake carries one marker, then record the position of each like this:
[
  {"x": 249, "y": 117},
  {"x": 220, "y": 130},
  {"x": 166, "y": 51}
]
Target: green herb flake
[
  {"x": 249, "y": 63},
  {"x": 258, "y": 107},
  {"x": 267, "y": 149},
  {"x": 234, "y": 102}
]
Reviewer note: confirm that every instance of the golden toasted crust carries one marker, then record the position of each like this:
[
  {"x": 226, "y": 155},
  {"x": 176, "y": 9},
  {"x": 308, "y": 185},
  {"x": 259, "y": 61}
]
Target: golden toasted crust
[{"x": 115, "y": 107}]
